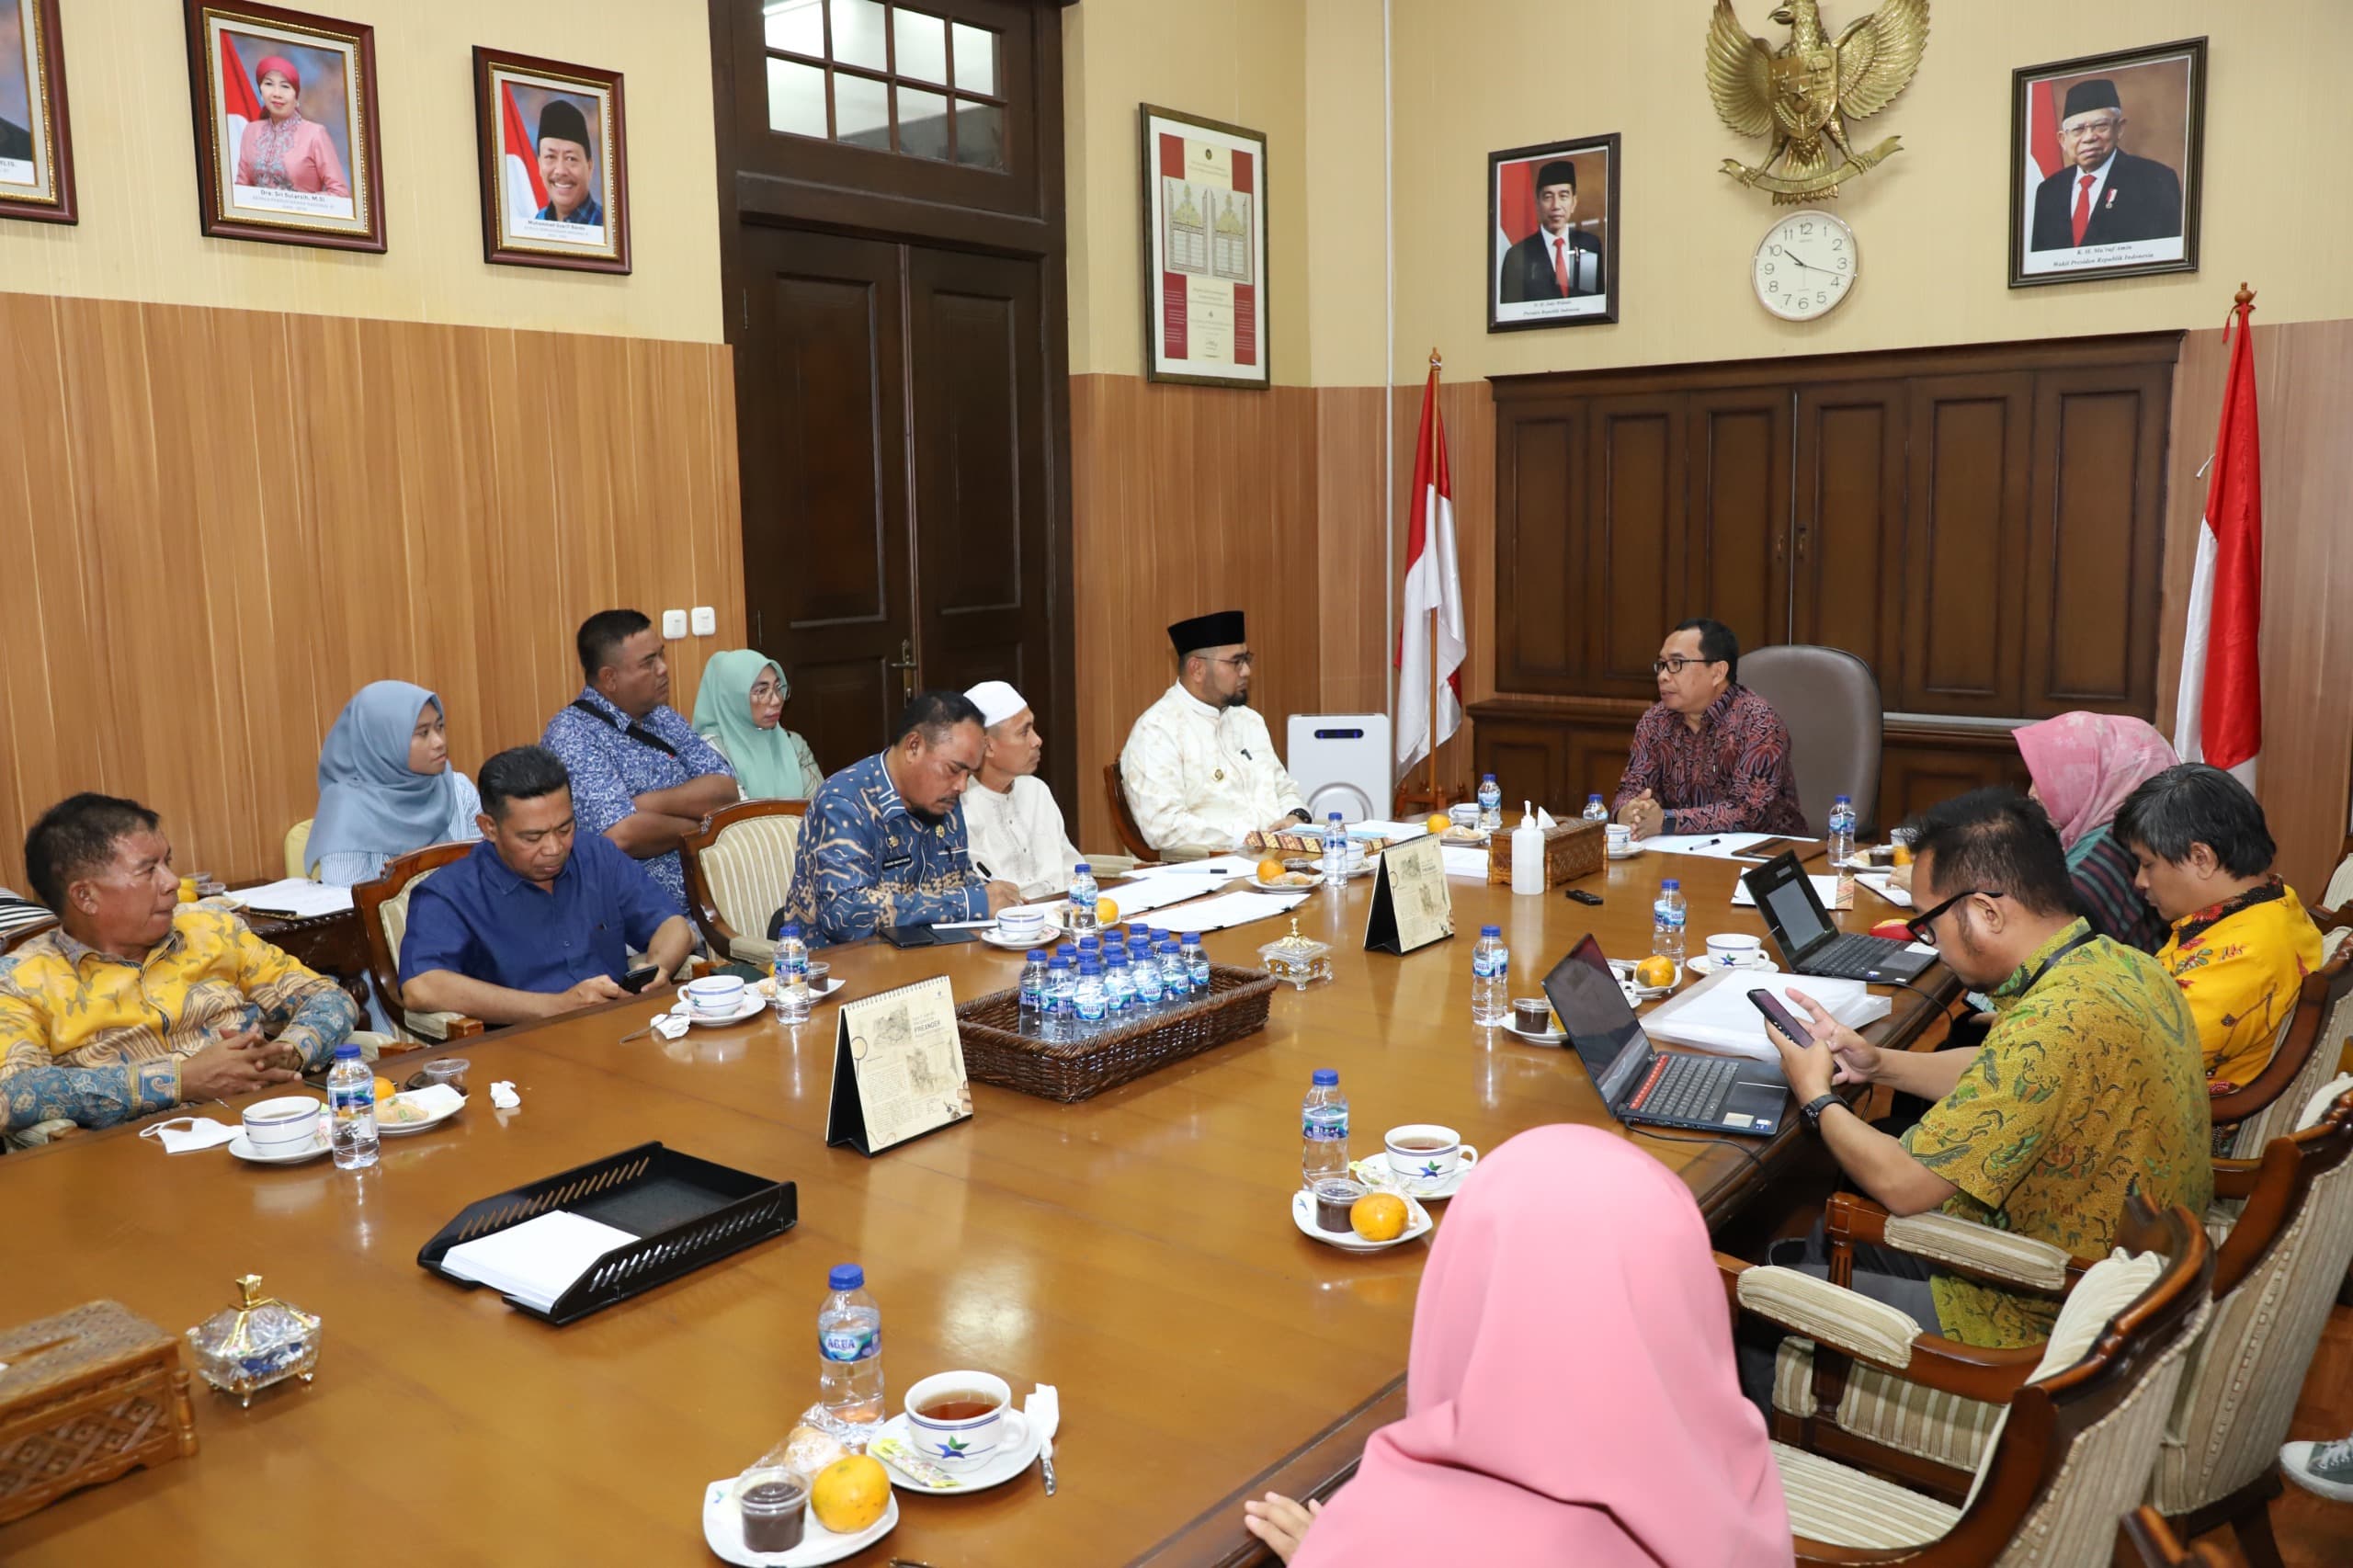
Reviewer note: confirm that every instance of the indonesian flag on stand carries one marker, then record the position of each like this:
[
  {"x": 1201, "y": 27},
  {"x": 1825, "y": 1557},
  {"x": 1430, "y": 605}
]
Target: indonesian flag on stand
[
  {"x": 1433, "y": 582},
  {"x": 2218, "y": 718},
  {"x": 239, "y": 104},
  {"x": 526, "y": 193}
]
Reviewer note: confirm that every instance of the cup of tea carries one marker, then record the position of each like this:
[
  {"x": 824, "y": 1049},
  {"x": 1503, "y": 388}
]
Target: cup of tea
[
  {"x": 1424, "y": 1152},
  {"x": 715, "y": 996},
  {"x": 1734, "y": 950},
  {"x": 957, "y": 1420},
  {"x": 1021, "y": 924},
  {"x": 1618, "y": 837},
  {"x": 282, "y": 1125},
  {"x": 1465, "y": 817}
]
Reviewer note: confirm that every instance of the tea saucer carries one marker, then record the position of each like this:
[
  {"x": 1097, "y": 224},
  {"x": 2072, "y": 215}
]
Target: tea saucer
[
  {"x": 1012, "y": 1457},
  {"x": 1535, "y": 1037},
  {"x": 1699, "y": 966},
  {"x": 402, "y": 1128},
  {"x": 1418, "y": 1225},
  {"x": 243, "y": 1147},
  {"x": 1377, "y": 1174},
  {"x": 723, "y": 1531},
  {"x": 1045, "y": 938},
  {"x": 1631, "y": 852},
  {"x": 821, "y": 985},
  {"x": 750, "y": 1005}
]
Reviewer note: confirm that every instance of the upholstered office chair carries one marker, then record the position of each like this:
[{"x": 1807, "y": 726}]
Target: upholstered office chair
[
  {"x": 739, "y": 868},
  {"x": 1829, "y": 699},
  {"x": 2284, "y": 1247},
  {"x": 383, "y": 921},
  {"x": 1124, "y": 820},
  {"x": 298, "y": 849},
  {"x": 2080, "y": 1418}
]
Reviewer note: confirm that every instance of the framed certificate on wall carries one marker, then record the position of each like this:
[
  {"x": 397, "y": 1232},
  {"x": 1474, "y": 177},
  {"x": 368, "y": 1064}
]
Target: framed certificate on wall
[{"x": 1204, "y": 187}]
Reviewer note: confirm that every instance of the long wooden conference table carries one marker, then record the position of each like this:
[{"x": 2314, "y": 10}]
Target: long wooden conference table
[{"x": 1135, "y": 1250}]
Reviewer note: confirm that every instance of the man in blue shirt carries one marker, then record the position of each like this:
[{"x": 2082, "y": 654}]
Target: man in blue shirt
[
  {"x": 534, "y": 922},
  {"x": 639, "y": 774},
  {"x": 883, "y": 842},
  {"x": 567, "y": 166}
]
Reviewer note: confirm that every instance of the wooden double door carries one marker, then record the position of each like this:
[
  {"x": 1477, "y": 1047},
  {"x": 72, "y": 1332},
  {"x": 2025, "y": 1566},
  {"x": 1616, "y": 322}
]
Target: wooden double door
[{"x": 892, "y": 411}]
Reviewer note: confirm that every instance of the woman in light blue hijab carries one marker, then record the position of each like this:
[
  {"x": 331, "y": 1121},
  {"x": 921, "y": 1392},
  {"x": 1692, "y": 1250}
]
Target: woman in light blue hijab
[{"x": 386, "y": 785}]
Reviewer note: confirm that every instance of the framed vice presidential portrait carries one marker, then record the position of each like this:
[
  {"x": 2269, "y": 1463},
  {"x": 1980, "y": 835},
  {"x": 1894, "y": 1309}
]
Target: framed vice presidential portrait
[
  {"x": 287, "y": 146},
  {"x": 554, "y": 164},
  {"x": 2107, "y": 164},
  {"x": 35, "y": 144},
  {"x": 1553, "y": 234},
  {"x": 1204, "y": 251}
]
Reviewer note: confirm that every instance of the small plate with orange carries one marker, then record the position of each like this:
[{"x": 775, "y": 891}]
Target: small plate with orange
[{"x": 1419, "y": 1223}]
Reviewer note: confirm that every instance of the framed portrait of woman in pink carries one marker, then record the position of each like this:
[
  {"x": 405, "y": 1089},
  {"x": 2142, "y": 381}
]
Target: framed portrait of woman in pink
[
  {"x": 286, "y": 131},
  {"x": 35, "y": 147}
]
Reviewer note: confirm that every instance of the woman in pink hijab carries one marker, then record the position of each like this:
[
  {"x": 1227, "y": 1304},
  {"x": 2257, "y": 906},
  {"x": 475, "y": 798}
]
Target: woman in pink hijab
[
  {"x": 2083, "y": 764},
  {"x": 1571, "y": 1397},
  {"x": 282, "y": 150}
]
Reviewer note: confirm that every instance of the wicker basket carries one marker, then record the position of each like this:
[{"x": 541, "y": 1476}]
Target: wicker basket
[{"x": 995, "y": 1051}]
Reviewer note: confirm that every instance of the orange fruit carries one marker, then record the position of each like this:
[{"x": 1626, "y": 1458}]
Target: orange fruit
[
  {"x": 384, "y": 1089},
  {"x": 1655, "y": 969},
  {"x": 1438, "y": 822},
  {"x": 1107, "y": 911},
  {"x": 1270, "y": 869},
  {"x": 849, "y": 1494},
  {"x": 1379, "y": 1216}
]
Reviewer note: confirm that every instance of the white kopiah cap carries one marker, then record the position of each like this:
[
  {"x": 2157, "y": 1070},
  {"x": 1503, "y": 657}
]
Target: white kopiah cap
[{"x": 997, "y": 701}]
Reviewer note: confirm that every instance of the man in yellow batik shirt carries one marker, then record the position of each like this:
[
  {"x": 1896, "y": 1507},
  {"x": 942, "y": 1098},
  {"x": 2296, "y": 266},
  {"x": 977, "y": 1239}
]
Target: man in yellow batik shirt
[
  {"x": 2241, "y": 943},
  {"x": 137, "y": 1002}
]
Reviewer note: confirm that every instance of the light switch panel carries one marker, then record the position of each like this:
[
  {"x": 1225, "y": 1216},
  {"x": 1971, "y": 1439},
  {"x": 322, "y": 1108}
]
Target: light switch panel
[
  {"x": 706, "y": 621},
  {"x": 673, "y": 624}
]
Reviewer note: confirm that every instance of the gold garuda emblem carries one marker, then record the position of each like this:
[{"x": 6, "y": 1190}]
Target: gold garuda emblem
[{"x": 1803, "y": 95}]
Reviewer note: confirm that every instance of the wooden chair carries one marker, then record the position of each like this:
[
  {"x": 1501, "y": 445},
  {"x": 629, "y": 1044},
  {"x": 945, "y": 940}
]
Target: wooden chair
[
  {"x": 23, "y": 934},
  {"x": 2306, "y": 1055},
  {"x": 1116, "y": 790},
  {"x": 2337, "y": 897},
  {"x": 739, "y": 868},
  {"x": 2287, "y": 1241},
  {"x": 298, "y": 849},
  {"x": 2145, "y": 1540},
  {"x": 383, "y": 906},
  {"x": 2081, "y": 1417}
]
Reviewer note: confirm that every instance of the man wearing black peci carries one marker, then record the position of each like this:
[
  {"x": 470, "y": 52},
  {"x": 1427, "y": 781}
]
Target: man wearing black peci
[
  {"x": 2104, "y": 194},
  {"x": 1558, "y": 261}
]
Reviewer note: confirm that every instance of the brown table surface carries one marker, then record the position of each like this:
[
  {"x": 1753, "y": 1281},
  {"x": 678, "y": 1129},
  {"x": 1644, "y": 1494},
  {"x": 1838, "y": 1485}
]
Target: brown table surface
[{"x": 1135, "y": 1250}]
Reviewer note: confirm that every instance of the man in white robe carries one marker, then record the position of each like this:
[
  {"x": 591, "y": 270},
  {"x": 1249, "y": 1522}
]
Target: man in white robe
[
  {"x": 1200, "y": 767},
  {"x": 1014, "y": 826}
]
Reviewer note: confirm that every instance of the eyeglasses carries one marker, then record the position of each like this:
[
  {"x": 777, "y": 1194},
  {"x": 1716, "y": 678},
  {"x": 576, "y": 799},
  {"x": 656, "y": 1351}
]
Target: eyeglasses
[
  {"x": 1673, "y": 665},
  {"x": 1921, "y": 927},
  {"x": 1239, "y": 660}
]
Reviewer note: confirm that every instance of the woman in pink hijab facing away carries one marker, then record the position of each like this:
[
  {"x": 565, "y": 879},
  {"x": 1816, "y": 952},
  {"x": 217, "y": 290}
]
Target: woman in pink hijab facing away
[
  {"x": 2083, "y": 764},
  {"x": 282, "y": 150},
  {"x": 1571, "y": 1397}
]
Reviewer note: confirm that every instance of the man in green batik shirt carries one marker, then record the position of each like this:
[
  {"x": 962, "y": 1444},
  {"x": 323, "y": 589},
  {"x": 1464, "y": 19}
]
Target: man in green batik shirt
[{"x": 2088, "y": 1087}]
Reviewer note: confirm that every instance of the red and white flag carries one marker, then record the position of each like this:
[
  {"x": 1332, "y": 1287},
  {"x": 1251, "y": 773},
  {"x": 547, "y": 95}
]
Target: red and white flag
[
  {"x": 2043, "y": 154},
  {"x": 526, "y": 193},
  {"x": 1433, "y": 582},
  {"x": 2218, "y": 718},
  {"x": 239, "y": 105}
]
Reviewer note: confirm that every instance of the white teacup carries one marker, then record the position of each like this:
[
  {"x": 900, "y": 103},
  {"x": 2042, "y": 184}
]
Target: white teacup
[
  {"x": 289, "y": 1121},
  {"x": 715, "y": 996},
  {"x": 1618, "y": 837},
  {"x": 1423, "y": 1152},
  {"x": 1021, "y": 924},
  {"x": 962, "y": 1442},
  {"x": 1735, "y": 949}
]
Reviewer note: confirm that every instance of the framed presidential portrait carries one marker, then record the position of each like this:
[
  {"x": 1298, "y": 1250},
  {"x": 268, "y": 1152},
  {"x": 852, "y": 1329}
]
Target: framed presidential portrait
[
  {"x": 1205, "y": 295},
  {"x": 554, "y": 164},
  {"x": 36, "y": 142},
  {"x": 2107, "y": 164},
  {"x": 1553, "y": 234},
  {"x": 287, "y": 146}
]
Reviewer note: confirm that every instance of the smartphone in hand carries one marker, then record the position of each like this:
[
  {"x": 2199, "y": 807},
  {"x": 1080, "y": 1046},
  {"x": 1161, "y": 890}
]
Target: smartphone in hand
[{"x": 1781, "y": 1018}]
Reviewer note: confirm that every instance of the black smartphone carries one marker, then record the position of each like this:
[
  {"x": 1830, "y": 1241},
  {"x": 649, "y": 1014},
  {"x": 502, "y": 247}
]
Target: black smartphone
[
  {"x": 1770, "y": 847},
  {"x": 908, "y": 936},
  {"x": 637, "y": 980},
  {"x": 1781, "y": 1018},
  {"x": 1581, "y": 896}
]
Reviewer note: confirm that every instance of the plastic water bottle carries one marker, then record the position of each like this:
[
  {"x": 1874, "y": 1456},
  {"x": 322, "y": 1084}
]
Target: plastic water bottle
[
  {"x": 351, "y": 1100},
  {"x": 1033, "y": 992},
  {"x": 1666, "y": 922},
  {"x": 1335, "y": 852},
  {"x": 1490, "y": 978},
  {"x": 790, "y": 976},
  {"x": 1491, "y": 804},
  {"x": 849, "y": 1349},
  {"x": 1842, "y": 831},
  {"x": 1324, "y": 1129},
  {"x": 1192, "y": 964},
  {"x": 1083, "y": 894},
  {"x": 1143, "y": 971},
  {"x": 1119, "y": 986},
  {"x": 1062, "y": 999},
  {"x": 1594, "y": 810},
  {"x": 1090, "y": 992}
]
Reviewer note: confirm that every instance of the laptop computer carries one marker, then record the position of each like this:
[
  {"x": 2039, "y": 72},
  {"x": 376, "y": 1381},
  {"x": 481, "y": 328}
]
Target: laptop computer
[
  {"x": 1810, "y": 944},
  {"x": 1646, "y": 1087}
]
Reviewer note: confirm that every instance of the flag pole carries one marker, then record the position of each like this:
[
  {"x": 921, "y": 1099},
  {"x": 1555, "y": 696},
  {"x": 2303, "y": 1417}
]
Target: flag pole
[{"x": 1438, "y": 801}]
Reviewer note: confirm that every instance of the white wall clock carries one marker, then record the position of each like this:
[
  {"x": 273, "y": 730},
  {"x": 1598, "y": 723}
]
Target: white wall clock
[{"x": 1806, "y": 265}]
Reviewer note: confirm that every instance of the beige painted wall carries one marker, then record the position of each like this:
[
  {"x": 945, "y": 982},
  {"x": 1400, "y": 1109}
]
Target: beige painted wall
[
  {"x": 1474, "y": 75},
  {"x": 126, "y": 68}
]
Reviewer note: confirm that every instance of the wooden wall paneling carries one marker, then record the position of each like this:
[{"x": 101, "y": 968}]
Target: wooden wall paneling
[
  {"x": 1634, "y": 548},
  {"x": 1543, "y": 557},
  {"x": 1529, "y": 762},
  {"x": 1351, "y": 460},
  {"x": 1847, "y": 536},
  {"x": 1969, "y": 441},
  {"x": 1595, "y": 762},
  {"x": 1737, "y": 563},
  {"x": 1921, "y": 765}
]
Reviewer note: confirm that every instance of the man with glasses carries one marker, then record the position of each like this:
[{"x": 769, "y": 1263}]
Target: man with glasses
[
  {"x": 1200, "y": 767},
  {"x": 2086, "y": 1088},
  {"x": 2102, "y": 194},
  {"x": 1710, "y": 756}
]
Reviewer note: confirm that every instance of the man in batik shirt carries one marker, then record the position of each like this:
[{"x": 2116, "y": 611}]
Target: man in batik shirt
[{"x": 1710, "y": 756}]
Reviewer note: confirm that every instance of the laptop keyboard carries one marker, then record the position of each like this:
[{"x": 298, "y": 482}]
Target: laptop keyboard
[
  {"x": 1690, "y": 1088},
  {"x": 1852, "y": 957}
]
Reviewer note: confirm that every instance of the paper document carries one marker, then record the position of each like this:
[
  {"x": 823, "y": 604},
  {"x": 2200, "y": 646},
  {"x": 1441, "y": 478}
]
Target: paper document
[
  {"x": 1878, "y": 882},
  {"x": 1716, "y": 1014},
  {"x": 1389, "y": 830},
  {"x": 1714, "y": 845},
  {"x": 1824, "y": 887},
  {"x": 1215, "y": 865},
  {"x": 537, "y": 1261},
  {"x": 1466, "y": 860},
  {"x": 1239, "y": 908},
  {"x": 296, "y": 896},
  {"x": 1157, "y": 890}
]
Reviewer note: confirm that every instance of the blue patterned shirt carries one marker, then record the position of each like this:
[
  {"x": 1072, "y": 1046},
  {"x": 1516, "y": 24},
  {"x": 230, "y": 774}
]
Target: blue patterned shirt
[
  {"x": 867, "y": 861},
  {"x": 610, "y": 770}
]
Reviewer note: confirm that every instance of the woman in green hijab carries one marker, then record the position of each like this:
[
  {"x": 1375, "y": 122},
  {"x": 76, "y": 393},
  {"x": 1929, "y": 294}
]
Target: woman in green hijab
[{"x": 740, "y": 709}]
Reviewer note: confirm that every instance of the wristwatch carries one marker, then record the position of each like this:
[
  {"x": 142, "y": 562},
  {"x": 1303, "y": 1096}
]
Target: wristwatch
[{"x": 1810, "y": 1112}]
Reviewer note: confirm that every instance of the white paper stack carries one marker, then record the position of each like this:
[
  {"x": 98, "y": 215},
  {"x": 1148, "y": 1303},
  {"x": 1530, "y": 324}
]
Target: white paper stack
[
  {"x": 536, "y": 1261},
  {"x": 302, "y": 899},
  {"x": 1716, "y": 1014},
  {"x": 1825, "y": 888},
  {"x": 1239, "y": 908},
  {"x": 1466, "y": 860}
]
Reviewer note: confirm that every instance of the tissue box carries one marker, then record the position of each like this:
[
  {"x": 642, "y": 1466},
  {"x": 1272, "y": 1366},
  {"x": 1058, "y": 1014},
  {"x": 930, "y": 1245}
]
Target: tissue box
[
  {"x": 1572, "y": 849},
  {"x": 86, "y": 1396}
]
